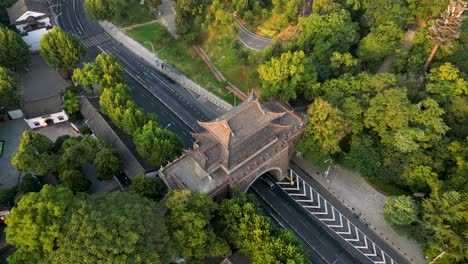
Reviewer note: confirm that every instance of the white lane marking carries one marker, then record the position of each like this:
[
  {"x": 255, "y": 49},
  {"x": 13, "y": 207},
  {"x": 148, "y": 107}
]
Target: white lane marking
[{"x": 300, "y": 186}]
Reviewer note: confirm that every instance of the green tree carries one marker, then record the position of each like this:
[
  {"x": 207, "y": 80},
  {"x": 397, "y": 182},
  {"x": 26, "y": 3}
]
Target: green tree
[
  {"x": 322, "y": 35},
  {"x": 395, "y": 11},
  {"x": 446, "y": 82},
  {"x": 388, "y": 113},
  {"x": 156, "y": 144},
  {"x": 108, "y": 163},
  {"x": 365, "y": 155},
  {"x": 99, "y": 9},
  {"x": 419, "y": 177},
  {"x": 29, "y": 183},
  {"x": 78, "y": 152},
  {"x": 105, "y": 71},
  {"x": 287, "y": 76},
  {"x": 61, "y": 50},
  {"x": 35, "y": 224},
  {"x": 188, "y": 224},
  {"x": 71, "y": 103},
  {"x": 380, "y": 42},
  {"x": 240, "y": 221},
  {"x": 152, "y": 188},
  {"x": 134, "y": 118},
  {"x": 426, "y": 9},
  {"x": 400, "y": 210},
  {"x": 114, "y": 228},
  {"x": 9, "y": 93},
  {"x": 113, "y": 102},
  {"x": 343, "y": 63},
  {"x": 446, "y": 217},
  {"x": 14, "y": 52},
  {"x": 75, "y": 181},
  {"x": 286, "y": 11},
  {"x": 34, "y": 154},
  {"x": 326, "y": 125}
]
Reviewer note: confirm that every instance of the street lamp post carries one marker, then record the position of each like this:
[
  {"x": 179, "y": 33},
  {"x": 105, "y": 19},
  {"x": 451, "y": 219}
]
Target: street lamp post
[
  {"x": 168, "y": 125},
  {"x": 328, "y": 169}
]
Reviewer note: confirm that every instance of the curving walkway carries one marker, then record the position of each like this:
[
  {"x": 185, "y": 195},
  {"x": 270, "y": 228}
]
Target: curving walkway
[{"x": 251, "y": 40}]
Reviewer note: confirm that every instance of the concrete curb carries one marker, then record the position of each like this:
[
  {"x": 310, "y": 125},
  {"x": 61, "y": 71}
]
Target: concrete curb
[{"x": 162, "y": 66}]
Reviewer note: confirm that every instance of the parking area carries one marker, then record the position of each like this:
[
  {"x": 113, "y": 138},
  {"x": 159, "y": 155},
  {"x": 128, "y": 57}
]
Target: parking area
[{"x": 10, "y": 131}]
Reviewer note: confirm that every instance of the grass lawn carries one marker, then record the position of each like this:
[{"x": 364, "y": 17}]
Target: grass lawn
[
  {"x": 130, "y": 12},
  {"x": 229, "y": 61},
  {"x": 181, "y": 56}
]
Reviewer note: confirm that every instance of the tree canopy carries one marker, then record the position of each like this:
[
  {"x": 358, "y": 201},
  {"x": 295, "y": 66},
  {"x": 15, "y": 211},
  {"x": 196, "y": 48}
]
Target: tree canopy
[
  {"x": 241, "y": 222},
  {"x": 14, "y": 52},
  {"x": 61, "y": 50},
  {"x": 400, "y": 210},
  {"x": 34, "y": 225},
  {"x": 156, "y": 144},
  {"x": 53, "y": 226},
  {"x": 151, "y": 188},
  {"x": 35, "y": 154},
  {"x": 288, "y": 76},
  {"x": 108, "y": 163},
  {"x": 75, "y": 180},
  {"x": 99, "y": 9},
  {"x": 188, "y": 223},
  {"x": 71, "y": 102},
  {"x": 9, "y": 93}
]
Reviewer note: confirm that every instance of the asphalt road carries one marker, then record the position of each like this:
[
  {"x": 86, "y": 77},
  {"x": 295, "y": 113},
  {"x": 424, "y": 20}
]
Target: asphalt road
[
  {"x": 321, "y": 246},
  {"x": 251, "y": 40},
  {"x": 178, "y": 109}
]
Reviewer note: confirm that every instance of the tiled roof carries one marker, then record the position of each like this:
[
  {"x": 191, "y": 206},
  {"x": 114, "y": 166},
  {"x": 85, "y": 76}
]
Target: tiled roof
[
  {"x": 230, "y": 142},
  {"x": 42, "y": 107},
  {"x": 22, "y": 6}
]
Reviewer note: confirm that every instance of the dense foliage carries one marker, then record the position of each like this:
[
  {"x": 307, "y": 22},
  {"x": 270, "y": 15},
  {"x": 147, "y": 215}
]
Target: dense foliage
[
  {"x": 189, "y": 226},
  {"x": 53, "y": 226},
  {"x": 373, "y": 104},
  {"x": 14, "y": 52},
  {"x": 241, "y": 222},
  {"x": 9, "y": 92},
  {"x": 61, "y": 50},
  {"x": 35, "y": 154},
  {"x": 151, "y": 188}
]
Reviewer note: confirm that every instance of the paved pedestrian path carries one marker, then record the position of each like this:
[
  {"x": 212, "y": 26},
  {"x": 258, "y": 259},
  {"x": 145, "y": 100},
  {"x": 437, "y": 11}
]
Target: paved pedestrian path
[{"x": 355, "y": 193}]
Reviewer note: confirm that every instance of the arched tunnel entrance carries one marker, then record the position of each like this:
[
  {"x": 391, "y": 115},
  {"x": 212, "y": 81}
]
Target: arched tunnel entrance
[{"x": 269, "y": 177}]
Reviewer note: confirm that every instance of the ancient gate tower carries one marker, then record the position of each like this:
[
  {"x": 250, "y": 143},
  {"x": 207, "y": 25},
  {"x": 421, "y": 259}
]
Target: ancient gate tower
[{"x": 237, "y": 148}]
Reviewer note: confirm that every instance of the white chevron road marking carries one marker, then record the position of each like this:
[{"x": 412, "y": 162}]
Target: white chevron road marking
[
  {"x": 302, "y": 199},
  {"x": 365, "y": 246},
  {"x": 341, "y": 222},
  {"x": 374, "y": 254},
  {"x": 330, "y": 219}
]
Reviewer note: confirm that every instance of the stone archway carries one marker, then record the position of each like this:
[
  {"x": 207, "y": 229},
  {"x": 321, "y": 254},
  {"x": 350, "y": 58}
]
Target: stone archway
[{"x": 275, "y": 171}]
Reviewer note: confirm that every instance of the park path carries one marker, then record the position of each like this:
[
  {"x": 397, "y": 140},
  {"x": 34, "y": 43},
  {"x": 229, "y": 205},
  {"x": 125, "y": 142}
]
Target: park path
[
  {"x": 138, "y": 25},
  {"x": 218, "y": 75},
  {"x": 167, "y": 17},
  {"x": 407, "y": 44},
  {"x": 361, "y": 198}
]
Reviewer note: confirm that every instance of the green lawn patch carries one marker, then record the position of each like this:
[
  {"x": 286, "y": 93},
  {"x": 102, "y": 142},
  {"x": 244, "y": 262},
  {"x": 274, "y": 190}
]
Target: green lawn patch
[
  {"x": 181, "y": 56},
  {"x": 237, "y": 63},
  {"x": 130, "y": 12}
]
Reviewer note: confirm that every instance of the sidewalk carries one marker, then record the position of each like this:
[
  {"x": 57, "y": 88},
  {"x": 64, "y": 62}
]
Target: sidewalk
[
  {"x": 157, "y": 63},
  {"x": 354, "y": 192}
]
